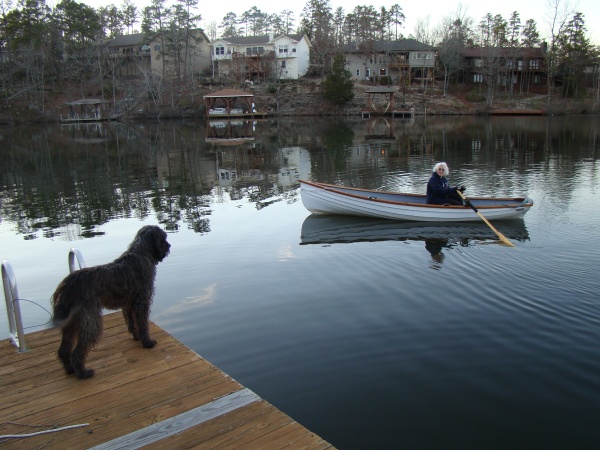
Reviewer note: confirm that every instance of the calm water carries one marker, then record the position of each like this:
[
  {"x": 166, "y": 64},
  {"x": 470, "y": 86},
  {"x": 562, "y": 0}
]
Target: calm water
[{"x": 375, "y": 335}]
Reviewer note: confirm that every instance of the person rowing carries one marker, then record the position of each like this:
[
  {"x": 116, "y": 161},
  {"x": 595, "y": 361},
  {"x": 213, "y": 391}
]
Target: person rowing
[{"x": 439, "y": 191}]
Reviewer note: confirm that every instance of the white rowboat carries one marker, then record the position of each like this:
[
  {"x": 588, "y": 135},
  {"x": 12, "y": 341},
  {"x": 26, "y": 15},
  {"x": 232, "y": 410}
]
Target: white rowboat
[{"x": 321, "y": 198}]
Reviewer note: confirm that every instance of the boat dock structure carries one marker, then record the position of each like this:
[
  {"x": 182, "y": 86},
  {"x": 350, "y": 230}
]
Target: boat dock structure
[
  {"x": 386, "y": 102},
  {"x": 231, "y": 103},
  {"x": 165, "y": 397}
]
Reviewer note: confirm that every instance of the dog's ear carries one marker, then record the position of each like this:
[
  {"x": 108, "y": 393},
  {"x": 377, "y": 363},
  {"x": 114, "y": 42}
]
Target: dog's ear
[
  {"x": 153, "y": 240},
  {"x": 160, "y": 246}
]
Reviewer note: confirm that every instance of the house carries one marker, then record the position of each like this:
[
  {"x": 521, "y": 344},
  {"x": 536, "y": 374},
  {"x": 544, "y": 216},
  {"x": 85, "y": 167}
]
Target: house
[
  {"x": 406, "y": 59},
  {"x": 197, "y": 53},
  {"x": 135, "y": 53},
  {"x": 128, "y": 53},
  {"x": 523, "y": 67},
  {"x": 261, "y": 57}
]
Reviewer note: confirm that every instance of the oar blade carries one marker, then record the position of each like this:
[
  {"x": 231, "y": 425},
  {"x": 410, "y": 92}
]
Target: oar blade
[{"x": 500, "y": 235}]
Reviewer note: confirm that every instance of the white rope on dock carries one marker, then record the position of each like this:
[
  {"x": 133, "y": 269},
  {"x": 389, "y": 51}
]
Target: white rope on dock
[{"x": 53, "y": 430}]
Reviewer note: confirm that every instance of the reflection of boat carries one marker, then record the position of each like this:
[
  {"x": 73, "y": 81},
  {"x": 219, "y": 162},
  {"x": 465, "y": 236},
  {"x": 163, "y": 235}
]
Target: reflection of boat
[
  {"x": 323, "y": 198},
  {"x": 329, "y": 229}
]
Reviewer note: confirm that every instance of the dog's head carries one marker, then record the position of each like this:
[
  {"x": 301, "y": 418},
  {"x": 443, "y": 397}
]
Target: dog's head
[{"x": 153, "y": 239}]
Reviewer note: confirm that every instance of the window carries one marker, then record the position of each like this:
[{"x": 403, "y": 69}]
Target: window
[
  {"x": 367, "y": 73},
  {"x": 358, "y": 72},
  {"x": 283, "y": 49},
  {"x": 478, "y": 62},
  {"x": 478, "y": 78},
  {"x": 382, "y": 72},
  {"x": 255, "y": 50},
  {"x": 537, "y": 79},
  {"x": 293, "y": 49},
  {"x": 421, "y": 55},
  {"x": 219, "y": 50},
  {"x": 283, "y": 64},
  {"x": 157, "y": 47},
  {"x": 534, "y": 64}
]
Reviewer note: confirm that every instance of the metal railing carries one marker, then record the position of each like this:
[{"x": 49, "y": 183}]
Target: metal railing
[
  {"x": 13, "y": 308},
  {"x": 11, "y": 295},
  {"x": 75, "y": 254}
]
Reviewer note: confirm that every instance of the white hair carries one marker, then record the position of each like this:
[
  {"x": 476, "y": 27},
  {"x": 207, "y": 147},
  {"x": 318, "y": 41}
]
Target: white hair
[{"x": 444, "y": 166}]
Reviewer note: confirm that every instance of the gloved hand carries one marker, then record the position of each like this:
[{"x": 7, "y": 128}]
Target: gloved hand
[{"x": 461, "y": 189}]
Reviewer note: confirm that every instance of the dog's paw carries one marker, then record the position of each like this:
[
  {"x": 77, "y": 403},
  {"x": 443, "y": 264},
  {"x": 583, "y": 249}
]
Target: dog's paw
[
  {"x": 87, "y": 373},
  {"x": 149, "y": 343}
]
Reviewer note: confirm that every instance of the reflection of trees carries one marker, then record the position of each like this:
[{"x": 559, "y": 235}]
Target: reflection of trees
[
  {"x": 49, "y": 184},
  {"x": 491, "y": 155},
  {"x": 53, "y": 184}
]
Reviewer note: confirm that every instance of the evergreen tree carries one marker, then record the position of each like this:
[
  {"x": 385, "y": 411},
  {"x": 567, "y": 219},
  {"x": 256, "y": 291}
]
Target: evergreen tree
[
  {"x": 337, "y": 86},
  {"x": 575, "y": 54}
]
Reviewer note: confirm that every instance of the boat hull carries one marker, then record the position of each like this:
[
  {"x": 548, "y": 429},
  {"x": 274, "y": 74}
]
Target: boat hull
[{"x": 320, "y": 198}]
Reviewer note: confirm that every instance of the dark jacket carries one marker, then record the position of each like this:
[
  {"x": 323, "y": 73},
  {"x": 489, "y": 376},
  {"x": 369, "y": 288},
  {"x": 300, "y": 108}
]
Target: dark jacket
[{"x": 438, "y": 190}]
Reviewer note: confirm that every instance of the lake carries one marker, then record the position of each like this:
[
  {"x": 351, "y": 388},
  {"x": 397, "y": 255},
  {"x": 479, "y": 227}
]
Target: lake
[{"x": 372, "y": 334}]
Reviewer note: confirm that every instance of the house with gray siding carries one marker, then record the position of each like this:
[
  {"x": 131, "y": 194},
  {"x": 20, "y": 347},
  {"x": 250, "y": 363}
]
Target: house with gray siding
[{"x": 406, "y": 59}]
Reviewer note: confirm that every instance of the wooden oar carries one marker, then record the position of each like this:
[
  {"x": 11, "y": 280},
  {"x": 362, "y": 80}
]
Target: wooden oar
[{"x": 500, "y": 235}]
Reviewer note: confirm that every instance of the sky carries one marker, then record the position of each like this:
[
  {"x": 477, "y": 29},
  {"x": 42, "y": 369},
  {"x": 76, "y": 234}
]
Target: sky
[{"x": 433, "y": 10}]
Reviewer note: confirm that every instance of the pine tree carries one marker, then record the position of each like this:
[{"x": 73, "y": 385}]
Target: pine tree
[{"x": 338, "y": 85}]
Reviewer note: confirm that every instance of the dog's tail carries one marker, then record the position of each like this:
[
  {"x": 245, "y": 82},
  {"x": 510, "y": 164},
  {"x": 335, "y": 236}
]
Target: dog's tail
[{"x": 61, "y": 309}]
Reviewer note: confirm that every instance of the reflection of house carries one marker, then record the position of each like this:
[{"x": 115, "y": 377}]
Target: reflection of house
[
  {"x": 261, "y": 57},
  {"x": 407, "y": 59},
  {"x": 523, "y": 67},
  {"x": 295, "y": 165}
]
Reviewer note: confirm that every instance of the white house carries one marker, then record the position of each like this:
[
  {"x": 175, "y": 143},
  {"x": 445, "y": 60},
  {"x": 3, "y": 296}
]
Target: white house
[{"x": 261, "y": 57}]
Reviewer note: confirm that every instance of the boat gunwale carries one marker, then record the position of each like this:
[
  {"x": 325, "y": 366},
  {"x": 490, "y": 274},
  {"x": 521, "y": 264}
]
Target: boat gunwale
[{"x": 336, "y": 189}]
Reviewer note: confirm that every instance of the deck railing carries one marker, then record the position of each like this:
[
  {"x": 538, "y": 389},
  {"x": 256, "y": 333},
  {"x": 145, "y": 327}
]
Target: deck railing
[
  {"x": 11, "y": 295},
  {"x": 13, "y": 308}
]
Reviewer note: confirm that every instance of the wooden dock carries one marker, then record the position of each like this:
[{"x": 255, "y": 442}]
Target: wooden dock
[{"x": 164, "y": 397}]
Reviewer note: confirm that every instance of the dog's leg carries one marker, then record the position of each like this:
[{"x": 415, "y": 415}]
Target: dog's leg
[
  {"x": 78, "y": 359},
  {"x": 130, "y": 321},
  {"x": 90, "y": 330},
  {"x": 142, "y": 316},
  {"x": 66, "y": 346}
]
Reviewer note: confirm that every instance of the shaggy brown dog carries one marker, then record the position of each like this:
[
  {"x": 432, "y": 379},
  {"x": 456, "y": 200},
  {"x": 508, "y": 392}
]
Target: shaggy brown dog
[{"x": 126, "y": 283}]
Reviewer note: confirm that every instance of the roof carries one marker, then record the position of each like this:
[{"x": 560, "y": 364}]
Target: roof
[
  {"x": 87, "y": 101},
  {"x": 381, "y": 90},
  {"x": 254, "y": 40},
  {"x": 128, "y": 39},
  {"x": 388, "y": 46},
  {"x": 228, "y": 93},
  {"x": 480, "y": 52}
]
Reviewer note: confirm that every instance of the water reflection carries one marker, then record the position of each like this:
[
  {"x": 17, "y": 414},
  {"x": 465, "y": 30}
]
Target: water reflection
[
  {"x": 330, "y": 229},
  {"x": 287, "y": 319},
  {"x": 230, "y": 132},
  {"x": 69, "y": 181}
]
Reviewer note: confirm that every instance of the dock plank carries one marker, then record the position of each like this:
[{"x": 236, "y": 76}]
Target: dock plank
[{"x": 135, "y": 392}]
